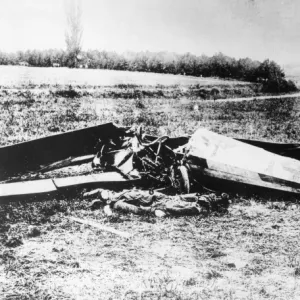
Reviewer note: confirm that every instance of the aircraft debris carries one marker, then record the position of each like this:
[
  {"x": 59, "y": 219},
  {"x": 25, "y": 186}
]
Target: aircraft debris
[{"x": 171, "y": 166}]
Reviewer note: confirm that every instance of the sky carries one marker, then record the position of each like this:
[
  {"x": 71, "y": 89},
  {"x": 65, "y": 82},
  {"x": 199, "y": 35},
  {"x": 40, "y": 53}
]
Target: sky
[{"x": 258, "y": 29}]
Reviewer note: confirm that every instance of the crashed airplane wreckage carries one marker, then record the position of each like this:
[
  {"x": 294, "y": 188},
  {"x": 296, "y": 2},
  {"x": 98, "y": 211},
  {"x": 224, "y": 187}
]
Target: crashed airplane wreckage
[{"x": 126, "y": 157}]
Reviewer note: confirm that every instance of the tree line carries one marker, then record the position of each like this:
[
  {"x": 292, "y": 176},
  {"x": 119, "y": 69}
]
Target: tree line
[{"x": 268, "y": 72}]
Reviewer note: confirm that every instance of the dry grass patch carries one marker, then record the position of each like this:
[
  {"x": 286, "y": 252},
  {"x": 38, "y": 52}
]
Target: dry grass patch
[{"x": 249, "y": 253}]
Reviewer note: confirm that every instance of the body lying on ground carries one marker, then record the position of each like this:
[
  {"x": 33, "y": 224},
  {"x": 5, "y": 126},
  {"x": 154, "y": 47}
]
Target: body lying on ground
[{"x": 145, "y": 202}]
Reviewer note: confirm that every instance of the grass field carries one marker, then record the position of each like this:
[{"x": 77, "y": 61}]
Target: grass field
[
  {"x": 251, "y": 252},
  {"x": 24, "y": 76},
  {"x": 26, "y": 118}
]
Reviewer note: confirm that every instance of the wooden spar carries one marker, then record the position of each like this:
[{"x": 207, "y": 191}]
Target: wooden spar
[
  {"x": 213, "y": 157},
  {"x": 71, "y": 161},
  {"x": 101, "y": 227},
  {"x": 76, "y": 181},
  {"x": 17, "y": 191},
  {"x": 26, "y": 188},
  {"x": 29, "y": 156},
  {"x": 231, "y": 179}
]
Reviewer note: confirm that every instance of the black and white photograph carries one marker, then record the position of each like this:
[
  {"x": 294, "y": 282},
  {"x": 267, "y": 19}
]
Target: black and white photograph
[{"x": 149, "y": 149}]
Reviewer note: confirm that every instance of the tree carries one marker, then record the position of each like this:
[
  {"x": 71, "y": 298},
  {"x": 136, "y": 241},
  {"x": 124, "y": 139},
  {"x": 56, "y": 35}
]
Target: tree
[
  {"x": 73, "y": 35},
  {"x": 272, "y": 75}
]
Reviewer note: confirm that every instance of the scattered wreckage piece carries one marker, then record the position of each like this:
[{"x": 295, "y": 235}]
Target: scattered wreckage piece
[
  {"x": 30, "y": 156},
  {"x": 150, "y": 158},
  {"x": 22, "y": 190},
  {"x": 26, "y": 188},
  {"x": 208, "y": 160},
  {"x": 215, "y": 159},
  {"x": 101, "y": 227}
]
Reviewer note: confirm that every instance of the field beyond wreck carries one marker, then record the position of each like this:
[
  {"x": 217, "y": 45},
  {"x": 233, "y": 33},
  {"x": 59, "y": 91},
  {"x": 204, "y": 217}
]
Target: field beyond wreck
[{"x": 251, "y": 252}]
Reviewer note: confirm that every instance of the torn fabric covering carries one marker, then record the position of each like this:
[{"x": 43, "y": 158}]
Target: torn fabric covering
[
  {"x": 219, "y": 157},
  {"x": 291, "y": 150}
]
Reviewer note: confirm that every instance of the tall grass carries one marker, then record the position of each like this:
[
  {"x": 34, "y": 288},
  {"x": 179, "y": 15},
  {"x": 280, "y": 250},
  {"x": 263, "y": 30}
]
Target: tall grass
[{"x": 271, "y": 119}]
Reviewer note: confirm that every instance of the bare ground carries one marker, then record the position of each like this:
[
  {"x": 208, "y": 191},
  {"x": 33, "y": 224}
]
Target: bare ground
[{"x": 250, "y": 253}]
